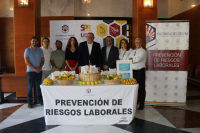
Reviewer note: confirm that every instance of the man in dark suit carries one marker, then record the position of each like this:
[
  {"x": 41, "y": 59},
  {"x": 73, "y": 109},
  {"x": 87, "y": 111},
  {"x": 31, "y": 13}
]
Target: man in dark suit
[
  {"x": 89, "y": 52},
  {"x": 110, "y": 54}
]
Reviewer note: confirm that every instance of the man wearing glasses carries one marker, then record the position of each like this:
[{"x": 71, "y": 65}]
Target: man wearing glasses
[
  {"x": 58, "y": 58},
  {"x": 110, "y": 54},
  {"x": 89, "y": 52},
  {"x": 138, "y": 57}
]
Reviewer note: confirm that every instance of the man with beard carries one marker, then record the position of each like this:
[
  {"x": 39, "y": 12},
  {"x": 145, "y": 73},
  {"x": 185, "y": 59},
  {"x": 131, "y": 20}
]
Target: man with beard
[
  {"x": 34, "y": 59},
  {"x": 58, "y": 58}
]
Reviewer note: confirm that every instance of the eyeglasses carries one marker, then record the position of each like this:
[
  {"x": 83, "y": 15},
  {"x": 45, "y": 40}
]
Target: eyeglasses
[{"x": 123, "y": 42}]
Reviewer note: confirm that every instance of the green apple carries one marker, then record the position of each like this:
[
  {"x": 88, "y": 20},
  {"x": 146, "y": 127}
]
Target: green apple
[
  {"x": 84, "y": 83},
  {"x": 80, "y": 82},
  {"x": 96, "y": 83},
  {"x": 99, "y": 81}
]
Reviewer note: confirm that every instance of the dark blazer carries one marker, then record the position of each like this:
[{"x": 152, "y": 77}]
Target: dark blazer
[
  {"x": 112, "y": 57},
  {"x": 94, "y": 57}
]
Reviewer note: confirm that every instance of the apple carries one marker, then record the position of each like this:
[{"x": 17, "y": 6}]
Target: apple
[
  {"x": 80, "y": 82},
  {"x": 99, "y": 81},
  {"x": 96, "y": 82},
  {"x": 84, "y": 83},
  {"x": 92, "y": 83},
  {"x": 88, "y": 83}
]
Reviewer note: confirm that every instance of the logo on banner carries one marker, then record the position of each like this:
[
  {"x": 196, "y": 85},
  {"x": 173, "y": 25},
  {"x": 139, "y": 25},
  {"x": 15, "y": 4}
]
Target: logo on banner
[
  {"x": 150, "y": 36},
  {"x": 88, "y": 91},
  {"x": 114, "y": 30},
  {"x": 150, "y": 33},
  {"x": 85, "y": 27},
  {"x": 65, "y": 28},
  {"x": 83, "y": 34},
  {"x": 102, "y": 30}
]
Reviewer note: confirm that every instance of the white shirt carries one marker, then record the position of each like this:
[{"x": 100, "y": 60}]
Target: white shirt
[
  {"x": 90, "y": 47},
  {"x": 47, "y": 55},
  {"x": 123, "y": 55},
  {"x": 139, "y": 58}
]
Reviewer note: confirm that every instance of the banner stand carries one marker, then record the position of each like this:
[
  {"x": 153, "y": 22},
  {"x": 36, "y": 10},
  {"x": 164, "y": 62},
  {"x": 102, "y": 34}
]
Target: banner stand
[{"x": 167, "y": 45}]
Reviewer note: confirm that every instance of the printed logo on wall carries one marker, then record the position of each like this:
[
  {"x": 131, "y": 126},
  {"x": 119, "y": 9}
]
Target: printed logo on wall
[{"x": 65, "y": 28}]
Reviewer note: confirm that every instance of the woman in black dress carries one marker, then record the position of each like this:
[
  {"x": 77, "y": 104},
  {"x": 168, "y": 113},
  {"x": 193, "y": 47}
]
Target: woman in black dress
[{"x": 71, "y": 55}]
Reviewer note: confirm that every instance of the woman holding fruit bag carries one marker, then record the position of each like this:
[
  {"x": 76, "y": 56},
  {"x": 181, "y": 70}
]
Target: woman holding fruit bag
[{"x": 71, "y": 55}]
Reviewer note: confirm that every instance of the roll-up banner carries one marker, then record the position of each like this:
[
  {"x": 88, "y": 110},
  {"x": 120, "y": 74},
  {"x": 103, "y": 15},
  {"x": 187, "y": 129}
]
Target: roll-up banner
[
  {"x": 167, "y": 45},
  {"x": 64, "y": 29}
]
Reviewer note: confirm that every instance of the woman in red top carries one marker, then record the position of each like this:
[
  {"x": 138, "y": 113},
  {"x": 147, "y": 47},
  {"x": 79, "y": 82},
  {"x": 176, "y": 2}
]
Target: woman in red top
[{"x": 71, "y": 55}]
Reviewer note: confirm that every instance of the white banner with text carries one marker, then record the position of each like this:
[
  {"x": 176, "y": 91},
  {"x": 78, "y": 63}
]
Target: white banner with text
[
  {"x": 89, "y": 105},
  {"x": 167, "y": 44}
]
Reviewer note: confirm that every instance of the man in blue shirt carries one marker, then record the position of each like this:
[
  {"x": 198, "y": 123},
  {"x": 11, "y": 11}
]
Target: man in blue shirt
[
  {"x": 34, "y": 59},
  {"x": 110, "y": 54}
]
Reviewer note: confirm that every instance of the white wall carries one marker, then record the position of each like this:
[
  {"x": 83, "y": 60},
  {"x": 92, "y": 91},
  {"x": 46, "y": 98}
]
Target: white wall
[
  {"x": 104, "y": 8},
  {"x": 6, "y": 7},
  {"x": 179, "y": 6},
  {"x": 57, "y": 7},
  {"x": 163, "y": 9}
]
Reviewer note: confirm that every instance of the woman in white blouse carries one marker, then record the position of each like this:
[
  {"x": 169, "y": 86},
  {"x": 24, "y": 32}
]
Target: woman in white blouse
[{"x": 124, "y": 50}]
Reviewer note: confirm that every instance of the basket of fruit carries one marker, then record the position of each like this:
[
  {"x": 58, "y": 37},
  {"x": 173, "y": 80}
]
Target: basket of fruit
[
  {"x": 65, "y": 79},
  {"x": 129, "y": 81},
  {"x": 47, "y": 81},
  {"x": 111, "y": 79}
]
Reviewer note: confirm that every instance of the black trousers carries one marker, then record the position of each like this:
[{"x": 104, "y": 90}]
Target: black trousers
[{"x": 139, "y": 75}]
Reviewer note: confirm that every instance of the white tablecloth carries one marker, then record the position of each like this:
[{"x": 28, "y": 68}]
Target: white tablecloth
[{"x": 89, "y": 105}]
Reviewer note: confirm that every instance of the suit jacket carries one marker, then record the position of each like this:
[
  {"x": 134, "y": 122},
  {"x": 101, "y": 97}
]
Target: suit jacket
[
  {"x": 112, "y": 57},
  {"x": 94, "y": 57}
]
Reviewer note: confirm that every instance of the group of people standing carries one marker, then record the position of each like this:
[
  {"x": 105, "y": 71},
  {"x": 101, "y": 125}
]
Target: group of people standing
[{"x": 41, "y": 62}]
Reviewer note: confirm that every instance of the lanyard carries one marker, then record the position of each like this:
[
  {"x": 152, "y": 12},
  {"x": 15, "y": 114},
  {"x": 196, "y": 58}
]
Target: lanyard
[
  {"x": 135, "y": 53},
  {"x": 124, "y": 54}
]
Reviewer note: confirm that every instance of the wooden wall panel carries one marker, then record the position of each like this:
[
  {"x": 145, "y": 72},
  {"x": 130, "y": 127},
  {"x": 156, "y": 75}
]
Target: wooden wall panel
[
  {"x": 38, "y": 28},
  {"x": 14, "y": 83},
  {"x": 20, "y": 66},
  {"x": 45, "y": 31},
  {"x": 139, "y": 17},
  {"x": 194, "y": 36},
  {"x": 26, "y": 25},
  {"x": 23, "y": 25},
  {"x": 7, "y": 44}
]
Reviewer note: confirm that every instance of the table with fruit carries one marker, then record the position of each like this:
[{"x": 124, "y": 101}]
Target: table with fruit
[{"x": 107, "y": 79}]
